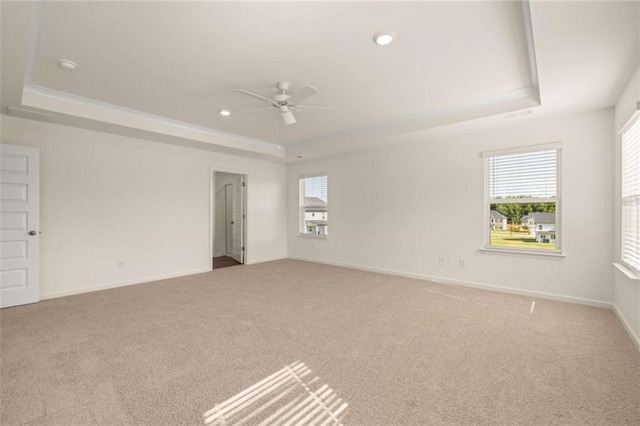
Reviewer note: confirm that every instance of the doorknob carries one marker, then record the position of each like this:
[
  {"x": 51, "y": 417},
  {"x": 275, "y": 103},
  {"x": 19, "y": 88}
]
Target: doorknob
[{"x": 32, "y": 233}]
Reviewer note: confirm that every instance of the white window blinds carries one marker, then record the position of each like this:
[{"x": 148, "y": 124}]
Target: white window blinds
[
  {"x": 525, "y": 175},
  {"x": 631, "y": 194},
  {"x": 313, "y": 206},
  {"x": 315, "y": 188}
]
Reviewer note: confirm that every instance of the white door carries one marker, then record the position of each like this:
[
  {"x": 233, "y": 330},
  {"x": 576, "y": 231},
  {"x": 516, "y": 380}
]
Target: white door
[
  {"x": 238, "y": 220},
  {"x": 19, "y": 225},
  {"x": 228, "y": 217}
]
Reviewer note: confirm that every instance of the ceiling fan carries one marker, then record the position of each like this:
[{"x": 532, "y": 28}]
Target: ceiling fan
[{"x": 285, "y": 102}]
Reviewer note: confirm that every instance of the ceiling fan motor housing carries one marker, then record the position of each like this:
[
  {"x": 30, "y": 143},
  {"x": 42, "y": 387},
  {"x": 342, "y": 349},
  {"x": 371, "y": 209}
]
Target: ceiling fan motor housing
[{"x": 281, "y": 98}]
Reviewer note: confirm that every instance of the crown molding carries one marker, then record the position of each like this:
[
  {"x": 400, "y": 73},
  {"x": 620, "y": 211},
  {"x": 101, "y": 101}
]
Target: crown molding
[
  {"x": 64, "y": 103},
  {"x": 491, "y": 105}
]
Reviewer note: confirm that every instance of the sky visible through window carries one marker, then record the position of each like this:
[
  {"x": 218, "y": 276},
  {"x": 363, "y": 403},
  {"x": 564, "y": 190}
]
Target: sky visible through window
[{"x": 316, "y": 187}]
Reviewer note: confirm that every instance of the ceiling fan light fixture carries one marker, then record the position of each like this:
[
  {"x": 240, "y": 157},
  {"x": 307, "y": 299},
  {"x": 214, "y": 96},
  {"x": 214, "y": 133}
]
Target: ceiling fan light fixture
[
  {"x": 288, "y": 117},
  {"x": 224, "y": 112},
  {"x": 384, "y": 38}
]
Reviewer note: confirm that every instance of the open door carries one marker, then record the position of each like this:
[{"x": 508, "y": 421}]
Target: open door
[
  {"x": 228, "y": 219},
  {"x": 229, "y": 197},
  {"x": 19, "y": 225},
  {"x": 238, "y": 220}
]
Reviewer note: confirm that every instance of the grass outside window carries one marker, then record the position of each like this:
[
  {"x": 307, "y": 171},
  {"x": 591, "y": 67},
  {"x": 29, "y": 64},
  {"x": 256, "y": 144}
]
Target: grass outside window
[{"x": 518, "y": 239}]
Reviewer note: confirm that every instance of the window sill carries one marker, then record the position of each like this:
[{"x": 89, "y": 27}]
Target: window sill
[
  {"x": 316, "y": 236},
  {"x": 630, "y": 273},
  {"x": 550, "y": 254}
]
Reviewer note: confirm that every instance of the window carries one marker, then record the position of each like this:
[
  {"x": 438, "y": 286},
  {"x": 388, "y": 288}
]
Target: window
[
  {"x": 313, "y": 205},
  {"x": 631, "y": 194},
  {"x": 523, "y": 188}
]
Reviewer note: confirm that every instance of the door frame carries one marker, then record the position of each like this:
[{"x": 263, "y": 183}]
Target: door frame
[{"x": 244, "y": 174}]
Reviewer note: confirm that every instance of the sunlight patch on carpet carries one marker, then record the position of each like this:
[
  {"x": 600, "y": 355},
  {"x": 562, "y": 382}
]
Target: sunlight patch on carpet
[{"x": 287, "y": 397}]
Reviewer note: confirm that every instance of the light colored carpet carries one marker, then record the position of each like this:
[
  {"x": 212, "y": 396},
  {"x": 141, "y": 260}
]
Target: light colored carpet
[{"x": 398, "y": 351}]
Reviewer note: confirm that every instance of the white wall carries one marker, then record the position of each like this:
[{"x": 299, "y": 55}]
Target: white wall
[
  {"x": 106, "y": 198},
  {"x": 627, "y": 291},
  {"x": 428, "y": 202}
]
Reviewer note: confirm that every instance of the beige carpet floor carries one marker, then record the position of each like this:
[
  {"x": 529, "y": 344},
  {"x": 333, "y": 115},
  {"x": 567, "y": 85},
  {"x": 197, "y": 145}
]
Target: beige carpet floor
[{"x": 398, "y": 351}]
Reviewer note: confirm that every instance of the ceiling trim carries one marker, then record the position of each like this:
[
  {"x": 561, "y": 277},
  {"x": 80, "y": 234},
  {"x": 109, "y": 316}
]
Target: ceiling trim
[
  {"x": 444, "y": 115},
  {"x": 516, "y": 100},
  {"x": 531, "y": 48},
  {"x": 64, "y": 103},
  {"x": 33, "y": 41}
]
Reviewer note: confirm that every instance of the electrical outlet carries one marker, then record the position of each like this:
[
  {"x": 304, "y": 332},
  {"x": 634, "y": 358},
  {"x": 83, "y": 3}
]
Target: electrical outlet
[
  {"x": 462, "y": 262},
  {"x": 120, "y": 264},
  {"x": 442, "y": 261}
]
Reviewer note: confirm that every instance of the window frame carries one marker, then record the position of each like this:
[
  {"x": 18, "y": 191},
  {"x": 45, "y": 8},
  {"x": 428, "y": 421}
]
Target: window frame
[
  {"x": 301, "y": 211},
  {"x": 486, "y": 241},
  {"x": 634, "y": 120}
]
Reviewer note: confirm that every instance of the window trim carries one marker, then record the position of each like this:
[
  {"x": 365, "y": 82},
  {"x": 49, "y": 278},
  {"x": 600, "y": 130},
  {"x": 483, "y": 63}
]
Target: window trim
[
  {"x": 632, "y": 274},
  {"x": 631, "y": 271},
  {"x": 486, "y": 233},
  {"x": 301, "y": 206}
]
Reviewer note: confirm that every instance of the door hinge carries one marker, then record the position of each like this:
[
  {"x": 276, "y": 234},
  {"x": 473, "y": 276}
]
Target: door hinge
[
  {"x": 244, "y": 184},
  {"x": 244, "y": 216},
  {"x": 242, "y": 248}
]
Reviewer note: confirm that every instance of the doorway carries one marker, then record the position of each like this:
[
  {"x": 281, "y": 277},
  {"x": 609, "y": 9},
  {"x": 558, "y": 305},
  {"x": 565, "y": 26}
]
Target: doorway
[{"x": 228, "y": 219}]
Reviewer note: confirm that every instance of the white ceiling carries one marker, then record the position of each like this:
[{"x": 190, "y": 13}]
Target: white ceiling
[{"x": 164, "y": 69}]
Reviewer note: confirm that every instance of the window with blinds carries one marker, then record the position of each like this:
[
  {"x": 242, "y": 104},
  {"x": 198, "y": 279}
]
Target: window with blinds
[
  {"x": 522, "y": 199},
  {"x": 630, "y": 237},
  {"x": 313, "y": 205}
]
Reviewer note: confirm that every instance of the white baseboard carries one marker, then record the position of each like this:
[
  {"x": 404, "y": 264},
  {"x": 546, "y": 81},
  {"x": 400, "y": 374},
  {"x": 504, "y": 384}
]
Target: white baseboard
[
  {"x": 625, "y": 324},
  {"x": 264, "y": 259},
  {"x": 117, "y": 284},
  {"x": 510, "y": 290},
  {"x": 218, "y": 254}
]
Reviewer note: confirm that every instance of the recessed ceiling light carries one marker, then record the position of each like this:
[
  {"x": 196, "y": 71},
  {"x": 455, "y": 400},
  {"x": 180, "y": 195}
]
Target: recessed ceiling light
[
  {"x": 67, "y": 64},
  {"x": 384, "y": 37},
  {"x": 225, "y": 113}
]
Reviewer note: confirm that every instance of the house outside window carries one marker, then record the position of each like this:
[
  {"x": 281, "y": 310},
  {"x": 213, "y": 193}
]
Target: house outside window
[
  {"x": 314, "y": 206},
  {"x": 522, "y": 199},
  {"x": 630, "y": 203}
]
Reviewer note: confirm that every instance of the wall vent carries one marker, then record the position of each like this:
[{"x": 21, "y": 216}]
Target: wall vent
[
  {"x": 516, "y": 114},
  {"x": 29, "y": 114}
]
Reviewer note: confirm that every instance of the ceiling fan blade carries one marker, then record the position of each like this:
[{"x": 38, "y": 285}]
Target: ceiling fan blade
[
  {"x": 316, "y": 107},
  {"x": 288, "y": 117},
  {"x": 253, "y": 110},
  {"x": 255, "y": 95},
  {"x": 303, "y": 94}
]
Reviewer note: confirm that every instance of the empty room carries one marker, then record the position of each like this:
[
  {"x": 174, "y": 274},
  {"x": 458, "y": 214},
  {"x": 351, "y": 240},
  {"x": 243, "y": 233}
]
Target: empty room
[{"x": 320, "y": 213}]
